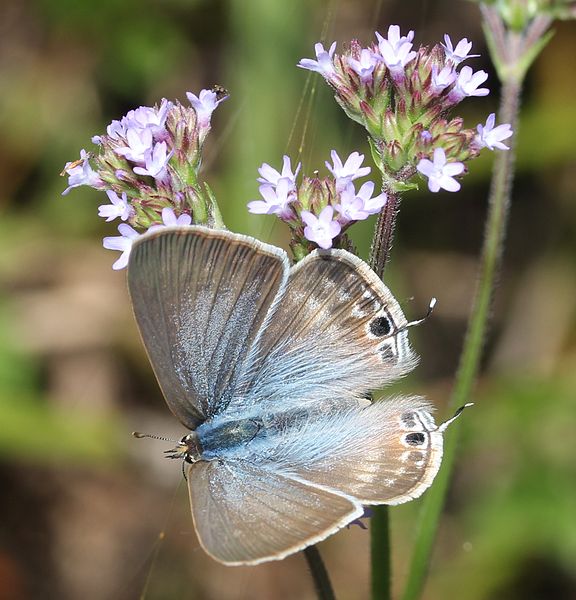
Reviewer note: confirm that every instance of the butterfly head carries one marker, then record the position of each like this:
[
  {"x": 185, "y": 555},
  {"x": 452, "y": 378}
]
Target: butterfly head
[{"x": 188, "y": 448}]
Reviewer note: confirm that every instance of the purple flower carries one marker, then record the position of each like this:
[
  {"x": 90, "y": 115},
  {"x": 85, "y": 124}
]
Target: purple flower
[
  {"x": 365, "y": 66},
  {"x": 155, "y": 162},
  {"x": 350, "y": 170},
  {"x": 426, "y": 136},
  {"x": 440, "y": 172},
  {"x": 276, "y": 201},
  {"x": 169, "y": 219},
  {"x": 491, "y": 137},
  {"x": 119, "y": 207},
  {"x": 467, "y": 85},
  {"x": 139, "y": 119},
  {"x": 117, "y": 129},
  {"x": 460, "y": 53},
  {"x": 151, "y": 118},
  {"x": 269, "y": 175},
  {"x": 323, "y": 63},
  {"x": 442, "y": 79},
  {"x": 358, "y": 206},
  {"x": 321, "y": 229},
  {"x": 371, "y": 205},
  {"x": 81, "y": 173},
  {"x": 139, "y": 145},
  {"x": 123, "y": 243},
  {"x": 204, "y": 104},
  {"x": 396, "y": 51},
  {"x": 395, "y": 39}
]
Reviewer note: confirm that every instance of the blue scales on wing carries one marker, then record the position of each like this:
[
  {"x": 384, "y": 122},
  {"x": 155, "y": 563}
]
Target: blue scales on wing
[
  {"x": 270, "y": 366},
  {"x": 200, "y": 297}
]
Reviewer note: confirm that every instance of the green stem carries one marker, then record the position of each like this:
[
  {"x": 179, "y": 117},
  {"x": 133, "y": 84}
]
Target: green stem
[
  {"x": 379, "y": 525},
  {"x": 490, "y": 261},
  {"x": 319, "y": 574},
  {"x": 380, "y": 553}
]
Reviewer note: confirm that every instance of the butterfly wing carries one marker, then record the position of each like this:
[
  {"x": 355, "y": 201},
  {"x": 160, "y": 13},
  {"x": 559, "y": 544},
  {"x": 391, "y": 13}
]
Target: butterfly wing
[
  {"x": 302, "y": 479},
  {"x": 337, "y": 332},
  {"x": 200, "y": 297},
  {"x": 247, "y": 513},
  {"x": 387, "y": 452}
]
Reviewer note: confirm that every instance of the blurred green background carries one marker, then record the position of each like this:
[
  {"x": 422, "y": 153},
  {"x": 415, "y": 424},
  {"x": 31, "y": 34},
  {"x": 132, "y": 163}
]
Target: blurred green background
[{"x": 87, "y": 511}]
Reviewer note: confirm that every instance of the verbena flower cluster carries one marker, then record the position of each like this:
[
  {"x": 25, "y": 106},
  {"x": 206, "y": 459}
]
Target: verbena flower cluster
[
  {"x": 148, "y": 163},
  {"x": 403, "y": 97},
  {"x": 318, "y": 209}
]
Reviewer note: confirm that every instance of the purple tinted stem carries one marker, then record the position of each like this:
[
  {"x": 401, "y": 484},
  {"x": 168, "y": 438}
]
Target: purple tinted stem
[{"x": 384, "y": 234}]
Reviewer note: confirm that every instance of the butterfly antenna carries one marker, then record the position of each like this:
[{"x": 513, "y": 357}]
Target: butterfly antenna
[
  {"x": 445, "y": 425},
  {"x": 139, "y": 435},
  {"x": 420, "y": 321}
]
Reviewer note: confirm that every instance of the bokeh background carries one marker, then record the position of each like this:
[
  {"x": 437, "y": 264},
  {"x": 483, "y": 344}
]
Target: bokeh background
[{"x": 88, "y": 512}]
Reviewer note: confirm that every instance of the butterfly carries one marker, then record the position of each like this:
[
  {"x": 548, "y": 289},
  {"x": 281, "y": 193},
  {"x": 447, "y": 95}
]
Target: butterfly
[{"x": 269, "y": 366}]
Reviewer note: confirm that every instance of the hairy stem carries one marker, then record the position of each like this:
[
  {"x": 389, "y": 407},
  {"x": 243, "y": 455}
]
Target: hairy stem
[
  {"x": 384, "y": 235},
  {"x": 490, "y": 262}
]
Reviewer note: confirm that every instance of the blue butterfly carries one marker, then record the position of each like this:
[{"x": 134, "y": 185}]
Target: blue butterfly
[{"x": 269, "y": 367}]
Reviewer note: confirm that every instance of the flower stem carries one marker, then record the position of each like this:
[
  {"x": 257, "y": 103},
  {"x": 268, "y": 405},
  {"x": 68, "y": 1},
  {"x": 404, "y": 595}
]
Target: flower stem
[
  {"x": 319, "y": 574},
  {"x": 379, "y": 524},
  {"x": 490, "y": 262},
  {"x": 380, "y": 553},
  {"x": 384, "y": 234}
]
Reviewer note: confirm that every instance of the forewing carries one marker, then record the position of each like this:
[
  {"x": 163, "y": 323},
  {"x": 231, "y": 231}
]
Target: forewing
[
  {"x": 337, "y": 332},
  {"x": 385, "y": 453},
  {"x": 200, "y": 297},
  {"x": 248, "y": 514}
]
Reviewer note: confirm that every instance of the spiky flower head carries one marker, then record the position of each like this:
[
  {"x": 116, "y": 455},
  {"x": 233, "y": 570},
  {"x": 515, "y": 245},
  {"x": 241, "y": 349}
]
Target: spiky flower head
[
  {"x": 404, "y": 98},
  {"x": 318, "y": 210},
  {"x": 147, "y": 163}
]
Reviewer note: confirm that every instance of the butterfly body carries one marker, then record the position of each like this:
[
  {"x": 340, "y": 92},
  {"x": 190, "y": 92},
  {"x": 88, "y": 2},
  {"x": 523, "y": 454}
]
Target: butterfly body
[
  {"x": 252, "y": 435},
  {"x": 218, "y": 439},
  {"x": 269, "y": 367}
]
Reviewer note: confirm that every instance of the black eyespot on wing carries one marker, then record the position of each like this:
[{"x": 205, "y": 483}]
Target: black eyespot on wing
[
  {"x": 387, "y": 354},
  {"x": 380, "y": 326},
  {"x": 415, "y": 439},
  {"x": 409, "y": 419}
]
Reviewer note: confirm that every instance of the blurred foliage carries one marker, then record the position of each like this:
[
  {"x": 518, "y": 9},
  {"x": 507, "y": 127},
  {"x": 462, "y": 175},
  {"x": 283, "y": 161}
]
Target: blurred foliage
[{"x": 74, "y": 380}]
